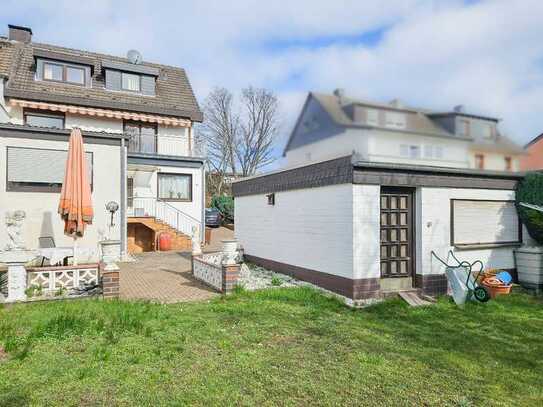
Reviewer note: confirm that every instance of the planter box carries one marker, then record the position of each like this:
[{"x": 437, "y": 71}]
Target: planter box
[{"x": 529, "y": 261}]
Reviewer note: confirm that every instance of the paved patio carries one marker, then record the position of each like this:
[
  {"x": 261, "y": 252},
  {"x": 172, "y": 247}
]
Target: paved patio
[
  {"x": 163, "y": 277},
  {"x": 166, "y": 276}
]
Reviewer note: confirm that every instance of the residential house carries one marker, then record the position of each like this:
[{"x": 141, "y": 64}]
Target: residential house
[
  {"x": 533, "y": 160},
  {"x": 137, "y": 121},
  {"x": 331, "y": 126}
]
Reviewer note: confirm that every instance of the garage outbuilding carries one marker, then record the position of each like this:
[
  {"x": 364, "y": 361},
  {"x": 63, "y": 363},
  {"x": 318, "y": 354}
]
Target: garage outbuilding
[{"x": 365, "y": 229}]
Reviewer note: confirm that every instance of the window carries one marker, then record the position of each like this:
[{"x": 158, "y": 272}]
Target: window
[
  {"x": 52, "y": 72},
  {"x": 62, "y": 72},
  {"x": 508, "y": 164},
  {"x": 428, "y": 151},
  {"x": 75, "y": 75},
  {"x": 488, "y": 131},
  {"x": 480, "y": 222},
  {"x": 32, "y": 118},
  {"x": 372, "y": 117},
  {"x": 414, "y": 152},
  {"x": 396, "y": 120},
  {"x": 463, "y": 127},
  {"x": 130, "y": 82},
  {"x": 480, "y": 161},
  {"x": 438, "y": 152},
  {"x": 143, "y": 137},
  {"x": 38, "y": 170},
  {"x": 404, "y": 150},
  {"x": 175, "y": 187}
]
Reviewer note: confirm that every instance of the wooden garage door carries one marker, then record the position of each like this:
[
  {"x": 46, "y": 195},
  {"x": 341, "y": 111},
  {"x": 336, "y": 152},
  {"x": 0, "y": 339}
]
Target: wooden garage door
[{"x": 396, "y": 232}]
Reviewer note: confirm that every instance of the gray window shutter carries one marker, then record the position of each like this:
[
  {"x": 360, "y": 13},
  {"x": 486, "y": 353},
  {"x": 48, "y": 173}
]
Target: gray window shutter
[
  {"x": 113, "y": 80},
  {"x": 41, "y": 166},
  {"x": 147, "y": 85}
]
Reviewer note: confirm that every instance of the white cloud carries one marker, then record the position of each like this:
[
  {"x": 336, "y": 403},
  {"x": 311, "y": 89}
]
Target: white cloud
[{"x": 435, "y": 54}]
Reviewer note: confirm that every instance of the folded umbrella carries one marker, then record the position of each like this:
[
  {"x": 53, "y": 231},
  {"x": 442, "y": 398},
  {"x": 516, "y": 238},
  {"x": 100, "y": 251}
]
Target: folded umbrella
[{"x": 75, "y": 206}]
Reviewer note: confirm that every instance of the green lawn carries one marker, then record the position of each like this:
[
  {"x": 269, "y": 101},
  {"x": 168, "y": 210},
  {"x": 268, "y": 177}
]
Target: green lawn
[{"x": 281, "y": 346}]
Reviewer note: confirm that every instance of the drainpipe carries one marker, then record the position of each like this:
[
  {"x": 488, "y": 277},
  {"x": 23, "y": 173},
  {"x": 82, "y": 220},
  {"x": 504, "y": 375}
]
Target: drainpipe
[
  {"x": 203, "y": 227},
  {"x": 123, "y": 219}
]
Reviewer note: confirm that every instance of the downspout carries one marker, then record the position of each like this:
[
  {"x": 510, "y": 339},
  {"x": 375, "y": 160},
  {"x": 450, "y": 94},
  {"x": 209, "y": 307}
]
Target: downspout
[
  {"x": 123, "y": 220},
  {"x": 202, "y": 233}
]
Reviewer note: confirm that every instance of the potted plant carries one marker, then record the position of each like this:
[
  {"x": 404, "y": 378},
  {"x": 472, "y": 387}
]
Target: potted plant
[{"x": 529, "y": 258}]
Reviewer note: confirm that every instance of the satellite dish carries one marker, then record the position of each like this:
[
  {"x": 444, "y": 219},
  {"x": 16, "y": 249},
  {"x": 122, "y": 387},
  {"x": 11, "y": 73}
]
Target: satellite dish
[{"x": 134, "y": 57}]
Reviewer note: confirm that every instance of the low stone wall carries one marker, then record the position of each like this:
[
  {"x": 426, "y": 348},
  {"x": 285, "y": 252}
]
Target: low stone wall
[
  {"x": 110, "y": 282},
  {"x": 209, "y": 269},
  {"x": 57, "y": 281}
]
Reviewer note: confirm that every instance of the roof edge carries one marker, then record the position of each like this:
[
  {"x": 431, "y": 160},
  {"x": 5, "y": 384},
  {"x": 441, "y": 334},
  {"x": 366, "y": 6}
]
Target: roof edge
[{"x": 196, "y": 116}]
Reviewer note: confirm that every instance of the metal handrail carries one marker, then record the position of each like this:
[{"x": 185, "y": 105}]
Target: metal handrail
[{"x": 169, "y": 214}]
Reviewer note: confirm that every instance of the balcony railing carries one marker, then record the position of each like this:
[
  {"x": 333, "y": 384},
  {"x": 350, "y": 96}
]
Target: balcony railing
[{"x": 165, "y": 145}]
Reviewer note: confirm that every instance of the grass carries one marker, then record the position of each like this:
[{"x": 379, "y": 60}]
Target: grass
[{"x": 286, "y": 346}]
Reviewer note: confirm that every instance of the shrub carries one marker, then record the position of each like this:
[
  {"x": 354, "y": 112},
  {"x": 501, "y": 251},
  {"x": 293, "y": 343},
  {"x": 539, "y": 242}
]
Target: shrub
[
  {"x": 530, "y": 190},
  {"x": 225, "y": 205}
]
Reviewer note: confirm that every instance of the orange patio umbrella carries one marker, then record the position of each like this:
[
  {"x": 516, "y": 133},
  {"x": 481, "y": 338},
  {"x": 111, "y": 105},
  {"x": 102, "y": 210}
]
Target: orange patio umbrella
[{"x": 75, "y": 206}]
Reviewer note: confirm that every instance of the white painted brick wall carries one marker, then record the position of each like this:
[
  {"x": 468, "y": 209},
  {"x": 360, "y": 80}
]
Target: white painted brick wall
[
  {"x": 366, "y": 227},
  {"x": 433, "y": 231},
  {"x": 311, "y": 228}
]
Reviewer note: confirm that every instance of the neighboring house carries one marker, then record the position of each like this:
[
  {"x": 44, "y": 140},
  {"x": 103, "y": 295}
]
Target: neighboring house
[
  {"x": 365, "y": 229},
  {"x": 331, "y": 126},
  {"x": 533, "y": 160},
  {"x": 137, "y": 121}
]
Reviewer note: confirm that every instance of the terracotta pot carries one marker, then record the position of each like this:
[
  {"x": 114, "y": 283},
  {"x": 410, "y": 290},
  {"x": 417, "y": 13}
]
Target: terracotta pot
[{"x": 495, "y": 287}]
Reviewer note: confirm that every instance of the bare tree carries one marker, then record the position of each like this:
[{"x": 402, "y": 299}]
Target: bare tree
[
  {"x": 240, "y": 139},
  {"x": 254, "y": 149},
  {"x": 220, "y": 131}
]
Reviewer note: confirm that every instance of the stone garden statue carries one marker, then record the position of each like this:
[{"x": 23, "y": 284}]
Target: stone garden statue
[{"x": 14, "y": 225}]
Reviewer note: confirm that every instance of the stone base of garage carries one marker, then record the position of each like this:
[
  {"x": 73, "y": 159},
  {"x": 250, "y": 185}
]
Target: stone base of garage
[
  {"x": 359, "y": 289},
  {"x": 355, "y": 289}
]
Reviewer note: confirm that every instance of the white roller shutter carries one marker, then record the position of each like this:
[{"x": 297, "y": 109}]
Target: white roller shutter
[
  {"x": 35, "y": 165},
  {"x": 484, "y": 222}
]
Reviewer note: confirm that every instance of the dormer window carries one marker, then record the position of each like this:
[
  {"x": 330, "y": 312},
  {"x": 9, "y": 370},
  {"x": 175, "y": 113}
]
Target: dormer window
[
  {"x": 395, "y": 120},
  {"x": 127, "y": 77},
  {"x": 488, "y": 131},
  {"x": 372, "y": 117},
  {"x": 130, "y": 82},
  {"x": 56, "y": 71}
]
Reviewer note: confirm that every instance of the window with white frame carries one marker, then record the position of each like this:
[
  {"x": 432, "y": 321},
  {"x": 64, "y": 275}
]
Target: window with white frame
[
  {"x": 414, "y": 152},
  {"x": 404, "y": 150},
  {"x": 130, "y": 82},
  {"x": 438, "y": 152},
  {"x": 38, "y": 170},
  {"x": 487, "y": 130},
  {"x": 395, "y": 119},
  {"x": 372, "y": 117},
  {"x": 174, "y": 187},
  {"x": 428, "y": 151}
]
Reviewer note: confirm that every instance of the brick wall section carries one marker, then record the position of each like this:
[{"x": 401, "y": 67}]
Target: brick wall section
[
  {"x": 432, "y": 284},
  {"x": 110, "y": 282},
  {"x": 230, "y": 277}
]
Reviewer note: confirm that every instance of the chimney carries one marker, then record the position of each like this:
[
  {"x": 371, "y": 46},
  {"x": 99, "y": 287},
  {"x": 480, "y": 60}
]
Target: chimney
[
  {"x": 459, "y": 108},
  {"x": 18, "y": 33},
  {"x": 340, "y": 94},
  {"x": 397, "y": 103}
]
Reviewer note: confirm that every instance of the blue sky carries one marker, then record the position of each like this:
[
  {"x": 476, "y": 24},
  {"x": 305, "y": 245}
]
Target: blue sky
[{"x": 486, "y": 55}]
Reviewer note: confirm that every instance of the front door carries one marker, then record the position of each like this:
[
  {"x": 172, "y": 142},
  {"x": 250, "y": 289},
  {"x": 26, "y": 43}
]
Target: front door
[{"x": 397, "y": 232}]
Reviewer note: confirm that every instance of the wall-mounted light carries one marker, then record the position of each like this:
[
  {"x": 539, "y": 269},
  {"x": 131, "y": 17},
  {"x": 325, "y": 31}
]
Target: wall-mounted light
[{"x": 271, "y": 199}]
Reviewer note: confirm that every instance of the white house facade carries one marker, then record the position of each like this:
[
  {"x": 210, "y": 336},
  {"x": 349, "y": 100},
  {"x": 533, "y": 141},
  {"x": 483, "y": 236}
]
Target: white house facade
[
  {"x": 331, "y": 126},
  {"x": 137, "y": 123}
]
